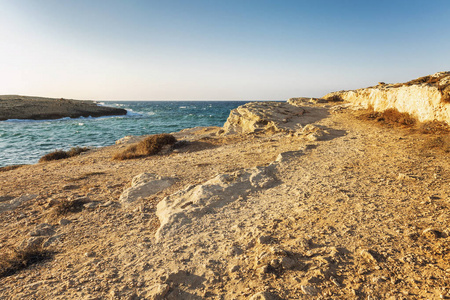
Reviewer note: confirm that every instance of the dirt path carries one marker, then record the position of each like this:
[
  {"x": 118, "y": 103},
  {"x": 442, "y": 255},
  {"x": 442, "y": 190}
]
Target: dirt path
[{"x": 360, "y": 213}]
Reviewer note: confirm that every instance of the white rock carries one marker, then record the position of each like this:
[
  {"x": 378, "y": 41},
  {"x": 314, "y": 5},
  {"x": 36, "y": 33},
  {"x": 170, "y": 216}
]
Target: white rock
[
  {"x": 309, "y": 290},
  {"x": 144, "y": 185},
  {"x": 158, "y": 291},
  {"x": 263, "y": 116},
  {"x": 264, "y": 296},
  {"x": 181, "y": 208}
]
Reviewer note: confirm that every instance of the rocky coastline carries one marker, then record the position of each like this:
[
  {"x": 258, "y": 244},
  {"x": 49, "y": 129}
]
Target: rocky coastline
[
  {"x": 38, "y": 108},
  {"x": 309, "y": 199}
]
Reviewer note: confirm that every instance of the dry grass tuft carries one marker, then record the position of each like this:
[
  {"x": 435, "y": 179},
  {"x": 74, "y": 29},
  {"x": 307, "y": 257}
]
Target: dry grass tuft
[
  {"x": 69, "y": 206},
  {"x": 391, "y": 116},
  {"x": 61, "y": 154},
  {"x": 18, "y": 260},
  {"x": 149, "y": 146}
]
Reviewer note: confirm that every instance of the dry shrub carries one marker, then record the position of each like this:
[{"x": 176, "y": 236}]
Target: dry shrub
[
  {"x": 335, "y": 98},
  {"x": 391, "y": 116},
  {"x": 18, "y": 260},
  {"x": 434, "y": 127},
  {"x": 61, "y": 154},
  {"x": 150, "y": 146},
  {"x": 9, "y": 168},
  {"x": 439, "y": 143},
  {"x": 69, "y": 206}
]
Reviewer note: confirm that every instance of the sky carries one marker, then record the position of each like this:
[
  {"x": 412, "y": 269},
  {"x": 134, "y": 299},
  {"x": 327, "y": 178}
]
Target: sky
[{"x": 216, "y": 50}]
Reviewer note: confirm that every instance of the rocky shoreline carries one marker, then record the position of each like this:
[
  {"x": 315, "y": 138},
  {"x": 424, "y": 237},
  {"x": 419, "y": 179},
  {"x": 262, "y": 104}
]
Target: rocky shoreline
[
  {"x": 38, "y": 108},
  {"x": 299, "y": 200}
]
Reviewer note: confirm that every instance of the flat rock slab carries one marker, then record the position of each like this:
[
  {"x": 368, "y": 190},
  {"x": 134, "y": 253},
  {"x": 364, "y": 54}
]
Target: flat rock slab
[
  {"x": 36, "y": 108},
  {"x": 144, "y": 185}
]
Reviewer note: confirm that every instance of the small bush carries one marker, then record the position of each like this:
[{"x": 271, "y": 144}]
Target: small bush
[
  {"x": 61, "y": 154},
  {"x": 150, "y": 146},
  {"x": 22, "y": 259}
]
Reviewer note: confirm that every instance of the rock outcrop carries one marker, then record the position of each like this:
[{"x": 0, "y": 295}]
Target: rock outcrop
[
  {"x": 37, "y": 108},
  {"x": 426, "y": 98},
  {"x": 193, "y": 202},
  {"x": 257, "y": 117}
]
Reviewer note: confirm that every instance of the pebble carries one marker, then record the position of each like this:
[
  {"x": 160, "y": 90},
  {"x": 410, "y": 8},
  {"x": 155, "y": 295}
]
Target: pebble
[
  {"x": 234, "y": 268},
  {"x": 52, "y": 240},
  {"x": 263, "y": 296},
  {"x": 309, "y": 290},
  {"x": 64, "y": 222},
  {"x": 158, "y": 291},
  {"x": 431, "y": 232},
  {"x": 90, "y": 205},
  {"x": 367, "y": 256},
  {"x": 89, "y": 254},
  {"x": 278, "y": 251},
  {"x": 264, "y": 239},
  {"x": 275, "y": 263},
  {"x": 43, "y": 229},
  {"x": 107, "y": 203},
  {"x": 288, "y": 263}
]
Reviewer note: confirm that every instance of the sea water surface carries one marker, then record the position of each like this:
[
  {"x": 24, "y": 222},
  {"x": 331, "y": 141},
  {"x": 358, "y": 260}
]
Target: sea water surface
[{"x": 25, "y": 141}]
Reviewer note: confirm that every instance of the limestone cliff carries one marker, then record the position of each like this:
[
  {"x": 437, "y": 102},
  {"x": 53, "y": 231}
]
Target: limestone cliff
[{"x": 426, "y": 98}]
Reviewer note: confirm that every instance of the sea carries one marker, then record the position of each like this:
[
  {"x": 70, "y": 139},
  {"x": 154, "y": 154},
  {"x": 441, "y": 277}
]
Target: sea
[{"x": 25, "y": 141}]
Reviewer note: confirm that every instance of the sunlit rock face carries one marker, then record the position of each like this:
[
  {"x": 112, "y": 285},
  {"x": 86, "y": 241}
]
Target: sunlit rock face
[{"x": 426, "y": 98}]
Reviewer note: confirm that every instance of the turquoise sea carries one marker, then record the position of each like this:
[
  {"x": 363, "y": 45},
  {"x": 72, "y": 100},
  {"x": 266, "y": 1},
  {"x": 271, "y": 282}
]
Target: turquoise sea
[{"x": 25, "y": 141}]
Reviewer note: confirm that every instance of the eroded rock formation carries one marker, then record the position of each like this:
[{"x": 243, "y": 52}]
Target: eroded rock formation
[
  {"x": 426, "y": 98},
  {"x": 255, "y": 117}
]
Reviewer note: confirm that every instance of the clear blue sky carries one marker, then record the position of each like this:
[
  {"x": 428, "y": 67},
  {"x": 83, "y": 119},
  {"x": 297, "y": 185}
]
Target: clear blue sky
[{"x": 213, "y": 50}]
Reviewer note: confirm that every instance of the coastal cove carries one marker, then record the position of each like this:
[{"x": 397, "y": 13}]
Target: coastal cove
[{"x": 25, "y": 141}]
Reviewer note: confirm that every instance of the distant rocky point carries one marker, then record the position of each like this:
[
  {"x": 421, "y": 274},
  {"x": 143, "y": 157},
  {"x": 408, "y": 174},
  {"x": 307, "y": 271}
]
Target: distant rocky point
[{"x": 38, "y": 108}]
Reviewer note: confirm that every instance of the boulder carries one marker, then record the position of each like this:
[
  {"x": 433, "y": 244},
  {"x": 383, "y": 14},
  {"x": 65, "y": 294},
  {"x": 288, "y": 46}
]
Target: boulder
[{"x": 269, "y": 117}]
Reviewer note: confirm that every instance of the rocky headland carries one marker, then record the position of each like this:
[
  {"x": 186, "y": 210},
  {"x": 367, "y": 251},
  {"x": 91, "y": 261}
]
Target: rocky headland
[
  {"x": 310, "y": 199},
  {"x": 38, "y": 108}
]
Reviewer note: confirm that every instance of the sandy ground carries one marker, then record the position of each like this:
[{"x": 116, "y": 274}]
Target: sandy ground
[{"x": 360, "y": 213}]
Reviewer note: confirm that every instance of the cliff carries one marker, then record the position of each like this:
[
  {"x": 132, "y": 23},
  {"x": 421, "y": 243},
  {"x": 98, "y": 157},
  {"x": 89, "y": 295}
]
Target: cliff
[
  {"x": 37, "y": 108},
  {"x": 426, "y": 98}
]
